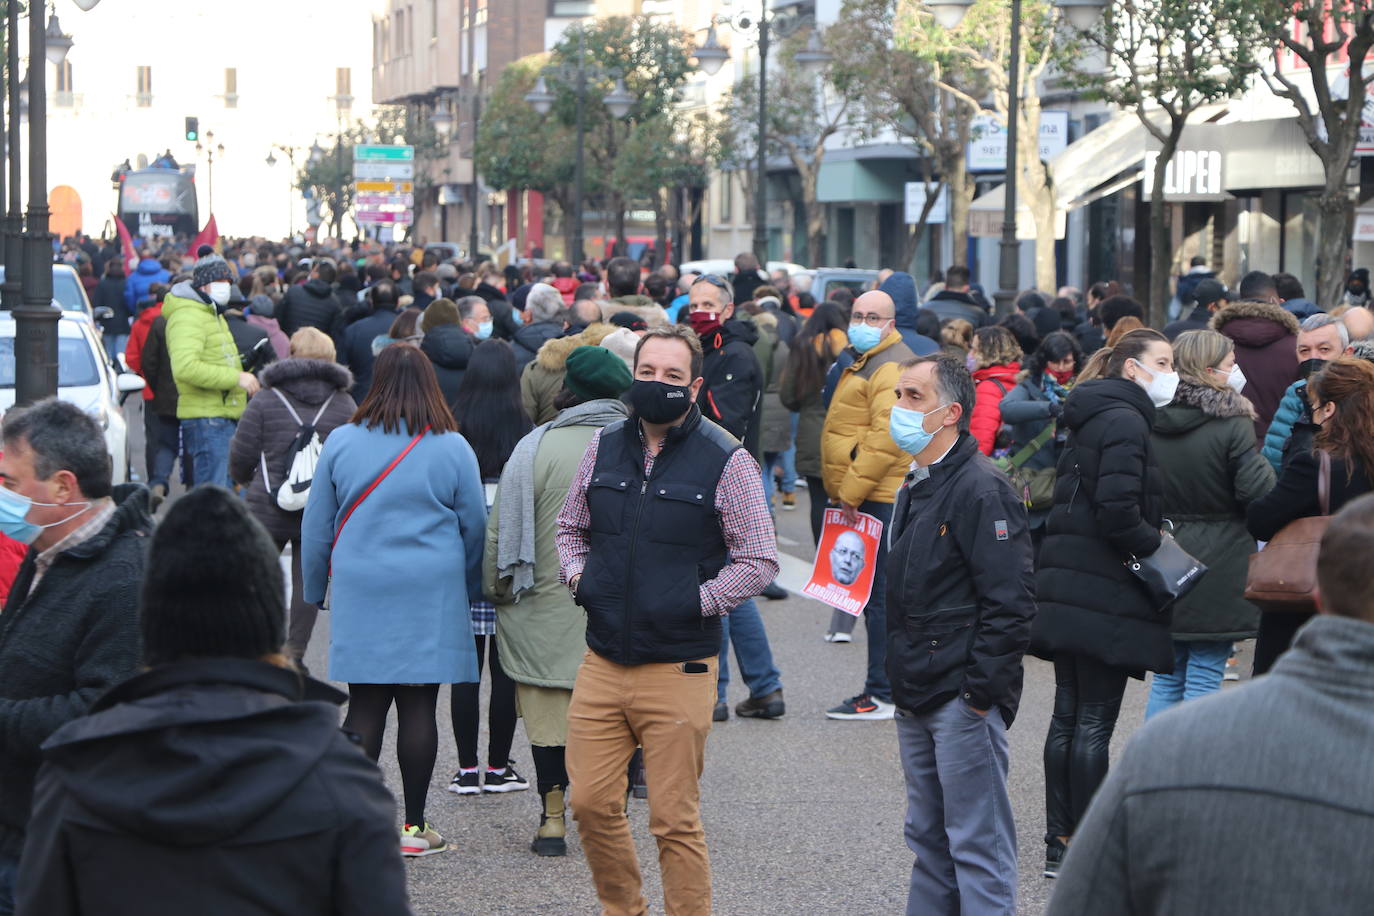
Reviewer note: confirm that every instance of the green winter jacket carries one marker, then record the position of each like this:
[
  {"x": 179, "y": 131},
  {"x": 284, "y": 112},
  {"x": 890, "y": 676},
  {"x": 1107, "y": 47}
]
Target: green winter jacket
[
  {"x": 205, "y": 359},
  {"x": 1204, "y": 443},
  {"x": 543, "y": 636}
]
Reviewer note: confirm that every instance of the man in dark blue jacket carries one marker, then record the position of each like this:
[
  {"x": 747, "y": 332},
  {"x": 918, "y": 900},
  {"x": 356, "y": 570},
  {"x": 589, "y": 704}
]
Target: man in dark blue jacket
[
  {"x": 356, "y": 352},
  {"x": 960, "y": 600},
  {"x": 148, "y": 272}
]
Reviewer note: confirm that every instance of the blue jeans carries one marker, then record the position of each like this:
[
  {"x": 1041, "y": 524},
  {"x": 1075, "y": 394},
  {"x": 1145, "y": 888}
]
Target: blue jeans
[
  {"x": 114, "y": 345},
  {"x": 958, "y": 815},
  {"x": 207, "y": 443},
  {"x": 875, "y": 612},
  {"x": 789, "y": 458},
  {"x": 1198, "y": 669},
  {"x": 162, "y": 444},
  {"x": 9, "y": 872},
  {"x": 752, "y": 651}
]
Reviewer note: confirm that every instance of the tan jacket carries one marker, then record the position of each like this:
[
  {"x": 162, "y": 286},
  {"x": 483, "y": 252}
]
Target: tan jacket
[{"x": 859, "y": 460}]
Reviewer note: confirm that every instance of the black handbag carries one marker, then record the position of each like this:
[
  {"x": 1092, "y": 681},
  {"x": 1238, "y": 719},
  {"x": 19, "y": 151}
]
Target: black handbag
[{"x": 1169, "y": 573}]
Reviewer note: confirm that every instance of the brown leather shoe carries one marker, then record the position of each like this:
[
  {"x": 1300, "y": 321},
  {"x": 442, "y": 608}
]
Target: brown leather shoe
[{"x": 769, "y": 706}]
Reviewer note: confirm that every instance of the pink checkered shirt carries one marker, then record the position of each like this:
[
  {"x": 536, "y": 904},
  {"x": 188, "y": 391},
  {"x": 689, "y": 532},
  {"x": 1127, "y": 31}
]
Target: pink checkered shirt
[{"x": 745, "y": 524}]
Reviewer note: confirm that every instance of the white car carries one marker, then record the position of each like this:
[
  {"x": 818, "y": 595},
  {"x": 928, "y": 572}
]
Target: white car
[
  {"x": 84, "y": 377},
  {"x": 724, "y": 267}
]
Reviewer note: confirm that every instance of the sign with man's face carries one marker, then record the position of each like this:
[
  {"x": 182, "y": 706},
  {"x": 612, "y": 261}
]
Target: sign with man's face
[{"x": 846, "y": 561}]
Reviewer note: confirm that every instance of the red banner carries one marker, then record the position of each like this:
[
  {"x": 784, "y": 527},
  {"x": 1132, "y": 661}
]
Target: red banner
[{"x": 207, "y": 236}]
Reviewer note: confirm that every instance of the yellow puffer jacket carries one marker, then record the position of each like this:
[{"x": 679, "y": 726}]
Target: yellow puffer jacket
[{"x": 859, "y": 460}]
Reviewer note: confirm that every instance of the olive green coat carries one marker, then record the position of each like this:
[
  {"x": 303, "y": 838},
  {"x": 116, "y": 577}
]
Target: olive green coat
[
  {"x": 543, "y": 636},
  {"x": 1204, "y": 443}
]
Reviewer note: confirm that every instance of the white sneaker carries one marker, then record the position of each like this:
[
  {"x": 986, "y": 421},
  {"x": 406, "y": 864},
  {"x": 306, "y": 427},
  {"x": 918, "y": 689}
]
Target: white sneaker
[{"x": 839, "y": 637}]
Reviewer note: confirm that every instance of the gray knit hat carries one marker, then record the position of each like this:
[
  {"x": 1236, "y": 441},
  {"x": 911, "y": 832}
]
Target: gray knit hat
[{"x": 211, "y": 269}]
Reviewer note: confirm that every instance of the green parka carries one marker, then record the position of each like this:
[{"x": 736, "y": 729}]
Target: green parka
[
  {"x": 1204, "y": 443},
  {"x": 205, "y": 359},
  {"x": 543, "y": 636}
]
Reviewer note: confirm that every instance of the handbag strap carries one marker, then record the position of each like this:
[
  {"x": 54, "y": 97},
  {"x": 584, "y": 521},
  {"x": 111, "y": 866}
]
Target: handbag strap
[
  {"x": 1324, "y": 481},
  {"x": 380, "y": 477},
  {"x": 1033, "y": 446}
]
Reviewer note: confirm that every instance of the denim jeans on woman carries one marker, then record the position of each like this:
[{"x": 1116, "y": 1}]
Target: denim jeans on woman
[{"x": 1198, "y": 670}]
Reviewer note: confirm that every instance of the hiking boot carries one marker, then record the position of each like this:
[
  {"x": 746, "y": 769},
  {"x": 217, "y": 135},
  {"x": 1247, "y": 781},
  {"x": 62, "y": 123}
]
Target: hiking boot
[
  {"x": 789, "y": 501},
  {"x": 768, "y": 706},
  {"x": 551, "y": 839}
]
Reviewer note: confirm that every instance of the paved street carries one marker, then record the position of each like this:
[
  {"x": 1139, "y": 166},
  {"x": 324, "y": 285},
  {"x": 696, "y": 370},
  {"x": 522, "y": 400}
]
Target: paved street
[{"x": 803, "y": 815}]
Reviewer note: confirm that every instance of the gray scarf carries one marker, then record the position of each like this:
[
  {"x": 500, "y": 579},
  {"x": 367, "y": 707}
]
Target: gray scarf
[{"x": 515, "y": 523}]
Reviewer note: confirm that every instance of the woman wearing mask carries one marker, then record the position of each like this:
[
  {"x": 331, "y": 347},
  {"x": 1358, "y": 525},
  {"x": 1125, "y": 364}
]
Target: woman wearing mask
[
  {"x": 1342, "y": 399},
  {"x": 492, "y": 420},
  {"x": 1205, "y": 445},
  {"x": 1095, "y": 621},
  {"x": 264, "y": 294},
  {"x": 307, "y": 388},
  {"x": 1036, "y": 402},
  {"x": 994, "y": 361},
  {"x": 393, "y": 535}
]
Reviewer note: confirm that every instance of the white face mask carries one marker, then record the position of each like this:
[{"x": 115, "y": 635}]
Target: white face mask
[
  {"x": 1160, "y": 387},
  {"x": 1236, "y": 379},
  {"x": 219, "y": 292}
]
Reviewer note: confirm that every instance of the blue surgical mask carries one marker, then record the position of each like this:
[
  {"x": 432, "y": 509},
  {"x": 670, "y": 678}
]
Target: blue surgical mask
[
  {"x": 483, "y": 330},
  {"x": 864, "y": 338},
  {"x": 517, "y": 317},
  {"x": 908, "y": 429},
  {"x": 14, "y": 510}
]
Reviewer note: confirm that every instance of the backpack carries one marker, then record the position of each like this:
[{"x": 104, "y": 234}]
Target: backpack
[
  {"x": 1035, "y": 487},
  {"x": 305, "y": 454}
]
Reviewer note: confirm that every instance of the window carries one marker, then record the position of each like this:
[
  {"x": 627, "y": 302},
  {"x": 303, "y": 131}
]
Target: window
[
  {"x": 398, "y": 45},
  {"x": 343, "y": 88},
  {"x": 231, "y": 87},
  {"x": 570, "y": 9},
  {"x": 479, "y": 15},
  {"x": 145, "y": 87},
  {"x": 63, "y": 93},
  {"x": 433, "y": 20},
  {"x": 725, "y": 187}
]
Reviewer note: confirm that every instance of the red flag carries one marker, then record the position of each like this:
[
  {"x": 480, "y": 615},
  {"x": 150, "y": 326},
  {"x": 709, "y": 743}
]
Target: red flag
[
  {"x": 207, "y": 236},
  {"x": 126, "y": 244}
]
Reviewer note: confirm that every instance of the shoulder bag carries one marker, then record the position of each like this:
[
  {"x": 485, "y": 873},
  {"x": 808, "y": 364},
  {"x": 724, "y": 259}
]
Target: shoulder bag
[
  {"x": 1169, "y": 573},
  {"x": 1035, "y": 487},
  {"x": 329, "y": 589},
  {"x": 1283, "y": 576}
]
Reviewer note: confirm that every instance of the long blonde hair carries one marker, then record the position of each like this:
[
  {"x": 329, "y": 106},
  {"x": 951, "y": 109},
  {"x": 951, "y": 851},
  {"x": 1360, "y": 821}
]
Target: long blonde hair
[{"x": 1195, "y": 352}]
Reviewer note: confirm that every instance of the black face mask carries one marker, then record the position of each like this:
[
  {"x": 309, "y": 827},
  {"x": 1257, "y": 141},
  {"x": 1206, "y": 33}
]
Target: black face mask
[
  {"x": 1307, "y": 367},
  {"x": 657, "y": 402}
]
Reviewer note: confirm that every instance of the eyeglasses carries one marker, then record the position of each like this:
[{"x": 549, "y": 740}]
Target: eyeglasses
[{"x": 872, "y": 321}]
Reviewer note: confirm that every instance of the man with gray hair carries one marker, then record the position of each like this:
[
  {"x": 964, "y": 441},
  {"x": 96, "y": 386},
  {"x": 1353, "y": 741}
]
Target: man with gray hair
[
  {"x": 475, "y": 317},
  {"x": 70, "y": 627},
  {"x": 959, "y": 562},
  {"x": 1321, "y": 338},
  {"x": 543, "y": 316}
]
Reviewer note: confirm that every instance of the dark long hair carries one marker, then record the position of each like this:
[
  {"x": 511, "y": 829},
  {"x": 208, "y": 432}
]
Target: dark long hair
[
  {"x": 1052, "y": 349},
  {"x": 488, "y": 408},
  {"x": 1348, "y": 383},
  {"x": 404, "y": 391},
  {"x": 503, "y": 326},
  {"x": 806, "y": 367}
]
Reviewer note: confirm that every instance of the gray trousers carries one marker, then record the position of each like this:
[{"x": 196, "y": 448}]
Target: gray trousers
[{"x": 958, "y": 816}]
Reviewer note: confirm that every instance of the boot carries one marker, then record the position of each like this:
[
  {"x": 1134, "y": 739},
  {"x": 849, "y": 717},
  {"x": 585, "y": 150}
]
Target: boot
[{"x": 553, "y": 828}]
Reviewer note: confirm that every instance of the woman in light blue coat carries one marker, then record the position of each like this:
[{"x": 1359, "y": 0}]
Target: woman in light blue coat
[{"x": 399, "y": 563}]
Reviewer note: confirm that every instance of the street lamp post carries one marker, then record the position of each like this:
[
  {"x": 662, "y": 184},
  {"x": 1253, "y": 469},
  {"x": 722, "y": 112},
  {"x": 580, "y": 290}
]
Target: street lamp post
[
  {"x": 211, "y": 149},
  {"x": 711, "y": 56},
  {"x": 444, "y": 122},
  {"x": 618, "y": 101},
  {"x": 36, "y": 317},
  {"x": 290, "y": 182},
  {"x": 10, "y": 290}
]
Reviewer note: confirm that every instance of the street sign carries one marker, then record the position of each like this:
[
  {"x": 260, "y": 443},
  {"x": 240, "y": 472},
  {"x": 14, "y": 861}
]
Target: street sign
[
  {"x": 386, "y": 218},
  {"x": 369, "y": 152},
  {"x": 916, "y": 201},
  {"x": 385, "y": 187},
  {"x": 373, "y": 201},
  {"x": 987, "y": 151},
  {"x": 374, "y": 170}
]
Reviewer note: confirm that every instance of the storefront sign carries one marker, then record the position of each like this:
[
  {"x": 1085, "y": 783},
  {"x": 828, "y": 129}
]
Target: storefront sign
[
  {"x": 1364, "y": 225},
  {"x": 1193, "y": 174},
  {"x": 987, "y": 151},
  {"x": 916, "y": 195}
]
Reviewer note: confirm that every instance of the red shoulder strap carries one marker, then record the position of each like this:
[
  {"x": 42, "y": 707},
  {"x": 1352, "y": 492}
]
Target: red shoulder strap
[{"x": 380, "y": 477}]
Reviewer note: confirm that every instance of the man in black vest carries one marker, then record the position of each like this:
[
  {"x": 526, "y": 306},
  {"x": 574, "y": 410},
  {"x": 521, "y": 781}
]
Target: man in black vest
[{"x": 664, "y": 531}]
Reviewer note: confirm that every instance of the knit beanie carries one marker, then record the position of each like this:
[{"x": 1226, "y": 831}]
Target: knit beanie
[
  {"x": 440, "y": 311},
  {"x": 211, "y": 269},
  {"x": 213, "y": 587},
  {"x": 629, "y": 320},
  {"x": 595, "y": 372},
  {"x": 622, "y": 342}
]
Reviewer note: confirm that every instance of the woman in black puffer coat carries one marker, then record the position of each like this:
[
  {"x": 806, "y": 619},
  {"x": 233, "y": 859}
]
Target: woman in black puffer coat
[
  {"x": 266, "y": 431},
  {"x": 1095, "y": 621}
]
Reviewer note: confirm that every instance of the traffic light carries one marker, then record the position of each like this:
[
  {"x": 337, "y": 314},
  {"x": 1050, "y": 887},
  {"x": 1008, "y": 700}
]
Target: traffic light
[{"x": 193, "y": 129}]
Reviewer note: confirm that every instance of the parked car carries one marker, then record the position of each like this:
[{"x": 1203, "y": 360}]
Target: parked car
[
  {"x": 84, "y": 377},
  {"x": 820, "y": 282},
  {"x": 67, "y": 291},
  {"x": 724, "y": 267}
]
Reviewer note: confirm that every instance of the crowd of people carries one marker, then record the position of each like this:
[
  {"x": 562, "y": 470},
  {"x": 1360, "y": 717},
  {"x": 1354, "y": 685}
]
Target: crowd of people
[{"x": 565, "y": 476}]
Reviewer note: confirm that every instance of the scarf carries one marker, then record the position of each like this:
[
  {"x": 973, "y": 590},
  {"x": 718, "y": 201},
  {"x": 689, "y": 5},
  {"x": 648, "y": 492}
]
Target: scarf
[{"x": 515, "y": 522}]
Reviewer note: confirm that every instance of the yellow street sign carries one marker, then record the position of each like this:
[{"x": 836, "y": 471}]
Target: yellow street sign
[{"x": 387, "y": 187}]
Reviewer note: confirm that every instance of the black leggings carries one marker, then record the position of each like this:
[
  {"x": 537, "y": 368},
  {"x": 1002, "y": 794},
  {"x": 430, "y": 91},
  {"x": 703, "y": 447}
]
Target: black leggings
[
  {"x": 466, "y": 708},
  {"x": 417, "y": 734},
  {"x": 1087, "y": 699},
  {"x": 1276, "y": 632}
]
